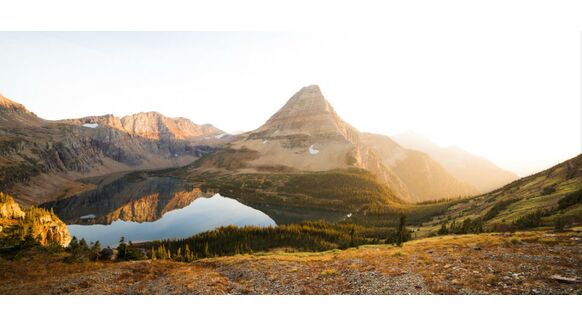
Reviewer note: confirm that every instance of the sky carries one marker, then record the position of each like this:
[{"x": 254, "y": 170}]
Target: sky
[{"x": 511, "y": 96}]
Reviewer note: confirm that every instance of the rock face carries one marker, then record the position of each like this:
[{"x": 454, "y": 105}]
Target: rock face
[
  {"x": 466, "y": 167},
  {"x": 305, "y": 134},
  {"x": 41, "y": 159},
  {"x": 153, "y": 126},
  {"x": 39, "y": 224}
]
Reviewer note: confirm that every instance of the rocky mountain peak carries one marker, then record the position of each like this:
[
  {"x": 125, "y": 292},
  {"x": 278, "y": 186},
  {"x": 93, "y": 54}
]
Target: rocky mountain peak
[{"x": 307, "y": 112}]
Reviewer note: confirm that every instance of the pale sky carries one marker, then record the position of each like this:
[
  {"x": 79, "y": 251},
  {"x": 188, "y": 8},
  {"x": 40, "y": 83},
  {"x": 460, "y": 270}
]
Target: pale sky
[{"x": 512, "y": 97}]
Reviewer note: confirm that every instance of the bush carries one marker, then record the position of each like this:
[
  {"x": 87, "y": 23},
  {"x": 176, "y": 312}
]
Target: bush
[
  {"x": 570, "y": 199},
  {"x": 498, "y": 207},
  {"x": 548, "y": 190}
]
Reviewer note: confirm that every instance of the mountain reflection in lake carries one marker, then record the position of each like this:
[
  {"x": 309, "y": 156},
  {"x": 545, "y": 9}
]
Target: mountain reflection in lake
[{"x": 150, "y": 209}]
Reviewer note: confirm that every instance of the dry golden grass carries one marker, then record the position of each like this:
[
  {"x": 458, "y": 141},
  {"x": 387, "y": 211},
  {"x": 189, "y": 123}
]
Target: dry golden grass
[{"x": 520, "y": 263}]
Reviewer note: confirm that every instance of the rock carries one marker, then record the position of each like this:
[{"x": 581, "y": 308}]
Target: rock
[
  {"x": 455, "y": 282},
  {"x": 43, "y": 226},
  {"x": 568, "y": 280},
  {"x": 108, "y": 254}
]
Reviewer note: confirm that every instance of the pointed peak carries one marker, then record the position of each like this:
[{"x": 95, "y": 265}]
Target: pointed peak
[
  {"x": 311, "y": 88},
  {"x": 307, "y": 99}
]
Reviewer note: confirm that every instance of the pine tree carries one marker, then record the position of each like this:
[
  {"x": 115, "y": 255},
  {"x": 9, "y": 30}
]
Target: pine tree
[
  {"x": 179, "y": 254},
  {"x": 74, "y": 244},
  {"x": 400, "y": 234},
  {"x": 153, "y": 256},
  {"x": 206, "y": 251},
  {"x": 188, "y": 253},
  {"x": 96, "y": 250},
  {"x": 122, "y": 248},
  {"x": 83, "y": 245}
]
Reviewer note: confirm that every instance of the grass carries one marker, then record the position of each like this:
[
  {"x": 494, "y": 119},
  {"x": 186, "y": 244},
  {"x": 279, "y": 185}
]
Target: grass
[{"x": 438, "y": 260}]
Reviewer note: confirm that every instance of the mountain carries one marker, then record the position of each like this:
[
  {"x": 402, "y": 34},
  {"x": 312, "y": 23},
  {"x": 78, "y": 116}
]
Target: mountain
[
  {"x": 426, "y": 179},
  {"x": 152, "y": 125},
  {"x": 307, "y": 135},
  {"x": 17, "y": 225},
  {"x": 471, "y": 169},
  {"x": 13, "y": 114},
  {"x": 41, "y": 160},
  {"x": 545, "y": 198}
]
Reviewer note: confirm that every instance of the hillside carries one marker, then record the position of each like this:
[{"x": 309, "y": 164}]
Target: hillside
[
  {"x": 292, "y": 197},
  {"x": 17, "y": 225},
  {"x": 542, "y": 262},
  {"x": 41, "y": 160},
  {"x": 550, "y": 197},
  {"x": 466, "y": 167}
]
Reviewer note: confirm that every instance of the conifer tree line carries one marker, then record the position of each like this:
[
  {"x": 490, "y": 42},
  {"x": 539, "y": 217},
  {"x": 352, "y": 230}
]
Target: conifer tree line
[{"x": 306, "y": 236}]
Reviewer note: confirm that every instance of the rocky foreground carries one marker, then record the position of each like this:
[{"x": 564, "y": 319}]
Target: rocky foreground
[{"x": 541, "y": 262}]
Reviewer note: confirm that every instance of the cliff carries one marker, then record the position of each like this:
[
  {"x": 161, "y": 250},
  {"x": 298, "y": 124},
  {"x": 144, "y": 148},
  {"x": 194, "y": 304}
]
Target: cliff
[{"x": 17, "y": 225}]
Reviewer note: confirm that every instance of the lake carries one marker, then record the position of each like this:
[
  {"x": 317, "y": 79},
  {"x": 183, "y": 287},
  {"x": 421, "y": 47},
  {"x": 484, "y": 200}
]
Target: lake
[{"x": 151, "y": 209}]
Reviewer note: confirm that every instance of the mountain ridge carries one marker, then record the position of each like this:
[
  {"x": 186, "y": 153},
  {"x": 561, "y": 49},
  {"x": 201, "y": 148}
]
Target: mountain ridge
[
  {"x": 42, "y": 159},
  {"x": 465, "y": 166}
]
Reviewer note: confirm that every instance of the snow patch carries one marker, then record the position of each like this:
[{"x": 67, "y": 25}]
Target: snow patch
[
  {"x": 91, "y": 125},
  {"x": 221, "y": 135},
  {"x": 312, "y": 150},
  {"x": 88, "y": 217},
  {"x": 349, "y": 215},
  {"x": 265, "y": 141}
]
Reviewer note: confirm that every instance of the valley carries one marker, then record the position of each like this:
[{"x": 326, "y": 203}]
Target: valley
[{"x": 149, "y": 204}]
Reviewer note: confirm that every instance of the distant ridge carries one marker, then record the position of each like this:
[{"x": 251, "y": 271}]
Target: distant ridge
[{"x": 474, "y": 170}]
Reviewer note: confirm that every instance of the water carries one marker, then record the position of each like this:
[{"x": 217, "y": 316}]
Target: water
[
  {"x": 151, "y": 209},
  {"x": 201, "y": 215}
]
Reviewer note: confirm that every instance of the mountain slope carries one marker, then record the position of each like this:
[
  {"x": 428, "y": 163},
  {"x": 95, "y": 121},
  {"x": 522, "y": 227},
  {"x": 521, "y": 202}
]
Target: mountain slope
[
  {"x": 41, "y": 160},
  {"x": 425, "y": 178},
  {"x": 466, "y": 167},
  {"x": 550, "y": 196},
  {"x": 13, "y": 114},
  {"x": 307, "y": 135}
]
